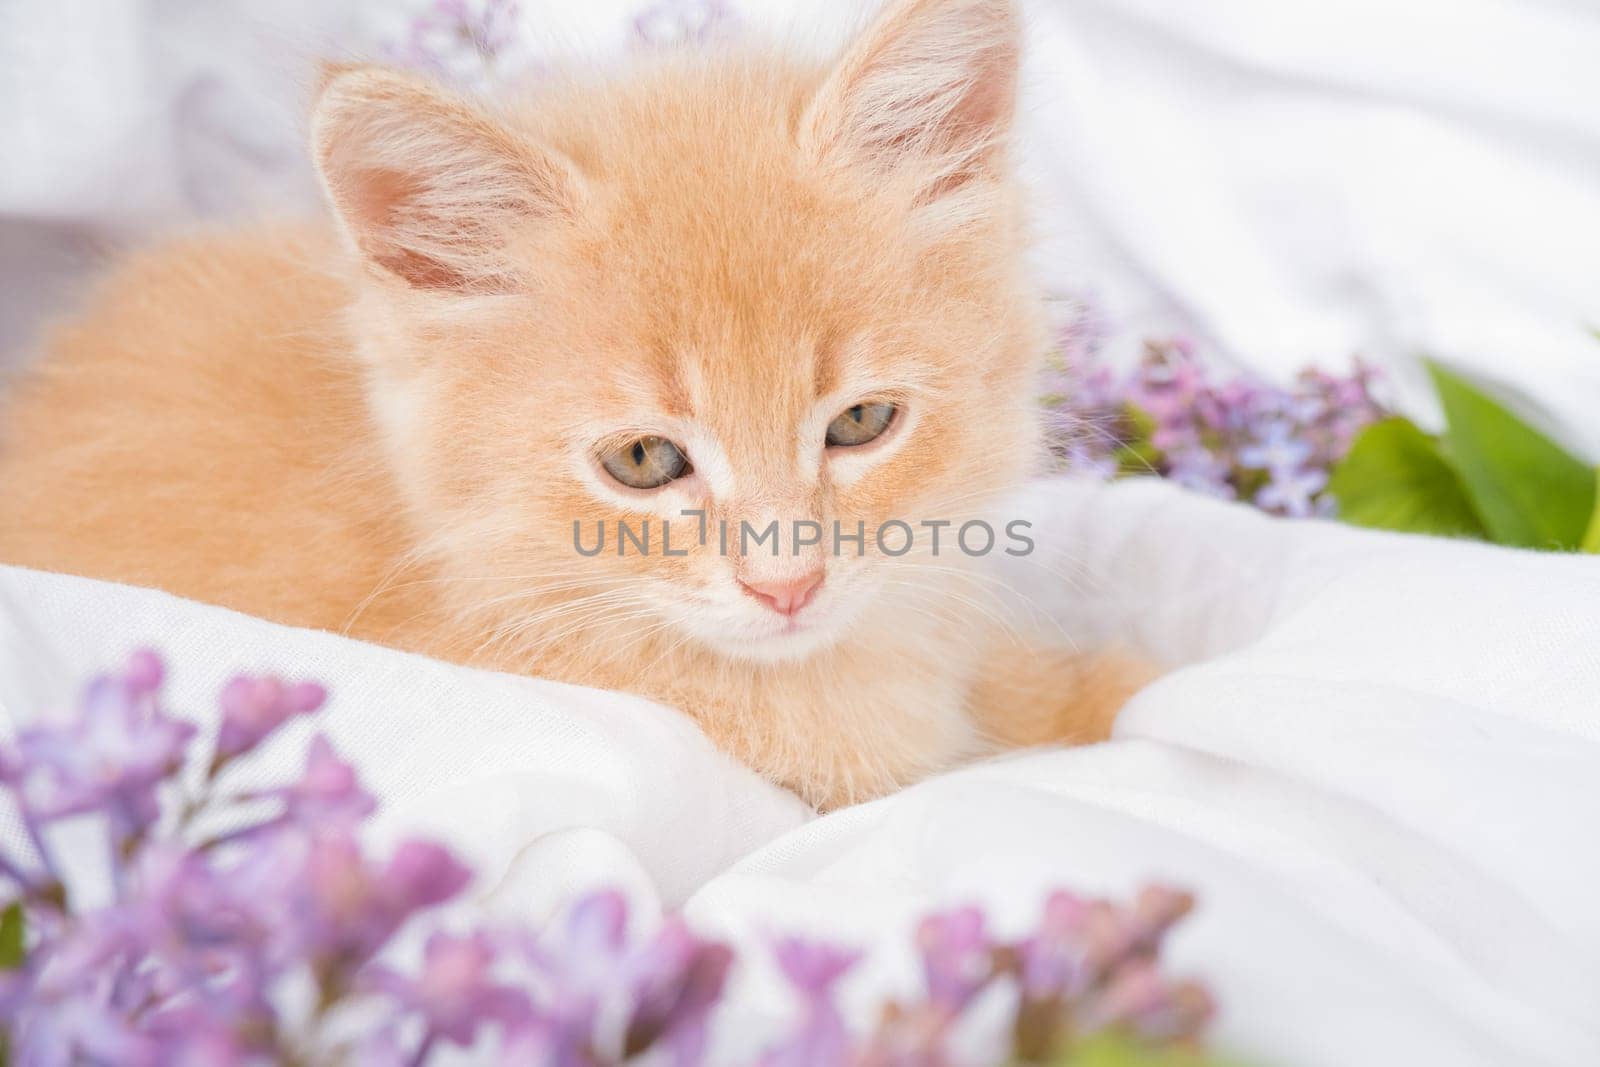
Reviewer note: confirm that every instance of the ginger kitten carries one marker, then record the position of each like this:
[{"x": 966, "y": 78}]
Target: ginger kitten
[{"x": 730, "y": 285}]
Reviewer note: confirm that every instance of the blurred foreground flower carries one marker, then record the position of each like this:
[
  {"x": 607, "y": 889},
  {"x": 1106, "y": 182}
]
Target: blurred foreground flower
[{"x": 282, "y": 939}]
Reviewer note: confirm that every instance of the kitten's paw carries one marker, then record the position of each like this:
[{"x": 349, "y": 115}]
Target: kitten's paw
[{"x": 1032, "y": 696}]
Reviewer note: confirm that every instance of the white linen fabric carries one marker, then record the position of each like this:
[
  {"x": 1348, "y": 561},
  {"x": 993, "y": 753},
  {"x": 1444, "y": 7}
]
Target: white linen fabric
[{"x": 1377, "y": 763}]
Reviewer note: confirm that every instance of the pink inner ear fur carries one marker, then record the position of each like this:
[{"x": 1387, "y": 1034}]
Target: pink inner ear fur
[
  {"x": 375, "y": 199},
  {"x": 930, "y": 86},
  {"x": 428, "y": 187}
]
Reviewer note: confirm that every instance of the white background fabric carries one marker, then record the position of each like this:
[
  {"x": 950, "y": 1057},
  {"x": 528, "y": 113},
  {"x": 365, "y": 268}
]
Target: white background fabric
[{"x": 1379, "y": 768}]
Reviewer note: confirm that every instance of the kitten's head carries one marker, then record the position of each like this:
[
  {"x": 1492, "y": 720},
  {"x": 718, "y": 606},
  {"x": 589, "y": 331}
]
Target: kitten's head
[{"x": 725, "y": 285}]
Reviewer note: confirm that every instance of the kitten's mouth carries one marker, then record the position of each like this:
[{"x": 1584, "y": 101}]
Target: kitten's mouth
[
  {"x": 792, "y": 638},
  {"x": 795, "y": 641},
  {"x": 785, "y": 629},
  {"x": 765, "y": 636}
]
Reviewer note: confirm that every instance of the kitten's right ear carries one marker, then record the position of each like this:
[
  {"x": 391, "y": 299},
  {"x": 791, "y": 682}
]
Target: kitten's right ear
[
  {"x": 929, "y": 89},
  {"x": 427, "y": 186}
]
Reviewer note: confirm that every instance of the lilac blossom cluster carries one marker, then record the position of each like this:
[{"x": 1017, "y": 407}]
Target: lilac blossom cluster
[
  {"x": 246, "y": 926},
  {"x": 1237, "y": 437},
  {"x": 1089, "y": 967}
]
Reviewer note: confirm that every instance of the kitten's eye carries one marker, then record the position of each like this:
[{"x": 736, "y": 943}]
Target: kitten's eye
[
  {"x": 646, "y": 463},
  {"x": 860, "y": 424}
]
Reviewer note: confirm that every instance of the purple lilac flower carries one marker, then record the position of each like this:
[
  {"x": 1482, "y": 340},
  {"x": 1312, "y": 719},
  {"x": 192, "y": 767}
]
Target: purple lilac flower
[
  {"x": 1090, "y": 965},
  {"x": 676, "y": 982},
  {"x": 814, "y": 971},
  {"x": 1051, "y": 960},
  {"x": 1241, "y": 437},
  {"x": 1156, "y": 909},
  {"x": 189, "y": 962},
  {"x": 384, "y": 1047},
  {"x": 112, "y": 756},
  {"x": 549, "y": 1042},
  {"x": 592, "y": 942},
  {"x": 328, "y": 795},
  {"x": 457, "y": 991},
  {"x": 956, "y": 956},
  {"x": 346, "y": 907},
  {"x": 186, "y": 899},
  {"x": 422, "y": 874},
  {"x": 1084, "y": 418},
  {"x": 813, "y": 968},
  {"x": 1294, "y": 493},
  {"x": 576, "y": 967},
  {"x": 1197, "y": 467},
  {"x": 1139, "y": 998},
  {"x": 252, "y": 708},
  {"x": 71, "y": 1029},
  {"x": 144, "y": 672},
  {"x": 1275, "y": 448}
]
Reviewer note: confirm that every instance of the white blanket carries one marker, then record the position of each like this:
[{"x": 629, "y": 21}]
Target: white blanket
[{"x": 1380, "y": 770}]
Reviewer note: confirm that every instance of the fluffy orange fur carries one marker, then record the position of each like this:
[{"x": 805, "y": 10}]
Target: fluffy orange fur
[{"x": 389, "y": 427}]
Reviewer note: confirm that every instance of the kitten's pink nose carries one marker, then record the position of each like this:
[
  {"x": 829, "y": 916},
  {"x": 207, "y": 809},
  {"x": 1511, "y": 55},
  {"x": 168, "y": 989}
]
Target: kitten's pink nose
[{"x": 787, "y": 596}]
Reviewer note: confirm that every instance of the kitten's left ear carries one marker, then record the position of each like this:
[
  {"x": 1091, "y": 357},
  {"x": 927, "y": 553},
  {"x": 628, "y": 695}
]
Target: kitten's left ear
[
  {"x": 428, "y": 187},
  {"x": 928, "y": 90}
]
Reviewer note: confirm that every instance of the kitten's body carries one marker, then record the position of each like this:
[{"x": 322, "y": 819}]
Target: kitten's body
[{"x": 387, "y": 444}]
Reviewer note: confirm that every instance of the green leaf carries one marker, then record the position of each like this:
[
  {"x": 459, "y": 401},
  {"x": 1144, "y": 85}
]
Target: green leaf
[
  {"x": 1394, "y": 478},
  {"x": 1527, "y": 489},
  {"x": 1136, "y": 455},
  {"x": 11, "y": 940},
  {"x": 1591, "y": 536},
  {"x": 1136, "y": 459},
  {"x": 1118, "y": 1050}
]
